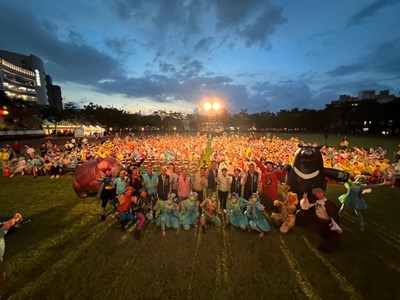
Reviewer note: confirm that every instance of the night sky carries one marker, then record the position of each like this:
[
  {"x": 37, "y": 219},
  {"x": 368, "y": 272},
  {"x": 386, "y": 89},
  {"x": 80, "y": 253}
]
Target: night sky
[{"x": 147, "y": 55}]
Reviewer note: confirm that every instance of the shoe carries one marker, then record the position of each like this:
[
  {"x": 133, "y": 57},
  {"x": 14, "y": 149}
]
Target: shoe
[
  {"x": 12, "y": 175},
  {"x": 103, "y": 217},
  {"x": 52, "y": 176},
  {"x": 58, "y": 176},
  {"x": 163, "y": 233}
]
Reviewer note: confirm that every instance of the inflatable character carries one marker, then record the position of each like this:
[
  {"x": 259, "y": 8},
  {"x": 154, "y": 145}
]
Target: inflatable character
[
  {"x": 308, "y": 172},
  {"x": 86, "y": 181}
]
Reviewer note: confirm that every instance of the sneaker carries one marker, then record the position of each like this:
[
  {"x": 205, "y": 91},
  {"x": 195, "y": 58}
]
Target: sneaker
[
  {"x": 103, "y": 217},
  {"x": 58, "y": 176},
  {"x": 52, "y": 176}
]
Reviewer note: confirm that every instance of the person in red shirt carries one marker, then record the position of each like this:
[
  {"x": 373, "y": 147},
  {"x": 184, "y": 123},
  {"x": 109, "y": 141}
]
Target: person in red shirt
[{"x": 270, "y": 180}]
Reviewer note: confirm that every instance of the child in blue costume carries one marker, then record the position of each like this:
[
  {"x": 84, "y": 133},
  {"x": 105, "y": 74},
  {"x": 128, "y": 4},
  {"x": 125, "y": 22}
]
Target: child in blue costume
[
  {"x": 256, "y": 218},
  {"x": 168, "y": 214},
  {"x": 234, "y": 211},
  {"x": 189, "y": 214},
  {"x": 353, "y": 198}
]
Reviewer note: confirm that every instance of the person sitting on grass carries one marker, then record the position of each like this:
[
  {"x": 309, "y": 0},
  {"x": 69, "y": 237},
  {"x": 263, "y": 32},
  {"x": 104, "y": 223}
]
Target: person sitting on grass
[
  {"x": 168, "y": 214},
  {"x": 189, "y": 214},
  {"x": 287, "y": 217},
  {"x": 234, "y": 211},
  {"x": 254, "y": 213},
  {"x": 211, "y": 209}
]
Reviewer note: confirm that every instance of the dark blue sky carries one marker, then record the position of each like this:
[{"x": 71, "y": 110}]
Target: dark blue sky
[{"x": 146, "y": 55}]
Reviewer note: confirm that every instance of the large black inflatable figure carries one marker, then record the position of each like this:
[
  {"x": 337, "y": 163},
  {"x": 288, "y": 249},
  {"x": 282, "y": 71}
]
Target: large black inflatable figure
[{"x": 306, "y": 174}]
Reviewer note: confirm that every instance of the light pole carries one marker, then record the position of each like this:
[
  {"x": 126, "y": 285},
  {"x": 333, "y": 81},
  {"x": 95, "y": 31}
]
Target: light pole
[{"x": 215, "y": 105}]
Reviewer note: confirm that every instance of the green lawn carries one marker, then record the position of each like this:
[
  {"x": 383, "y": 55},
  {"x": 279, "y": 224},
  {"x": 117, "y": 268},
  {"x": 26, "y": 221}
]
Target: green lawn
[{"x": 66, "y": 252}]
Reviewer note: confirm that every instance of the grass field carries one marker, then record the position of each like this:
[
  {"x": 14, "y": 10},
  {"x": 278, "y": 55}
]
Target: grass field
[{"x": 66, "y": 252}]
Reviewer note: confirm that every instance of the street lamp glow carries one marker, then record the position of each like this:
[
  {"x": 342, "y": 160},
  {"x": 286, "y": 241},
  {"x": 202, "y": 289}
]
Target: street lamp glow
[
  {"x": 216, "y": 105},
  {"x": 207, "y": 106}
]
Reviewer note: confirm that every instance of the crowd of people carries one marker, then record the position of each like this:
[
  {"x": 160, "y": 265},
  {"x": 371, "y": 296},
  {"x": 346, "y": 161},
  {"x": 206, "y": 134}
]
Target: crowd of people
[{"x": 167, "y": 178}]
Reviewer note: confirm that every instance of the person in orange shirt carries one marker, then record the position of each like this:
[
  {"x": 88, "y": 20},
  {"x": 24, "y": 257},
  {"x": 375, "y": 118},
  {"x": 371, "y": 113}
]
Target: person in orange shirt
[{"x": 124, "y": 207}]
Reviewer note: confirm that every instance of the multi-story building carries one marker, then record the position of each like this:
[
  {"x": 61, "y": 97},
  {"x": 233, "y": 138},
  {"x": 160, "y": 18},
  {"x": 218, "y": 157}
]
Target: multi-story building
[
  {"x": 23, "y": 77},
  {"x": 53, "y": 94}
]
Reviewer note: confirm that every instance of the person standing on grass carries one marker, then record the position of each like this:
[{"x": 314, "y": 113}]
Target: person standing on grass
[
  {"x": 236, "y": 182},
  {"x": 251, "y": 182},
  {"x": 200, "y": 183},
  {"x": 150, "y": 183},
  {"x": 107, "y": 193},
  {"x": 223, "y": 184},
  {"x": 136, "y": 181},
  {"x": 184, "y": 185},
  {"x": 211, "y": 175},
  {"x": 120, "y": 184},
  {"x": 164, "y": 187},
  {"x": 353, "y": 198}
]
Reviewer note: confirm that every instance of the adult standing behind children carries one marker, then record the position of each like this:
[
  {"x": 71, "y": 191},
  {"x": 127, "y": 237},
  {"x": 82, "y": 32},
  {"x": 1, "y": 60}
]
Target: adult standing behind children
[
  {"x": 150, "y": 183},
  {"x": 211, "y": 175},
  {"x": 251, "y": 182}
]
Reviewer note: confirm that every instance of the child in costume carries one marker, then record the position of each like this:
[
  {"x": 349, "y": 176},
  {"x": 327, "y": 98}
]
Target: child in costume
[
  {"x": 168, "y": 214},
  {"x": 255, "y": 215},
  {"x": 353, "y": 198},
  {"x": 234, "y": 211},
  {"x": 211, "y": 209},
  {"x": 189, "y": 214},
  {"x": 287, "y": 217}
]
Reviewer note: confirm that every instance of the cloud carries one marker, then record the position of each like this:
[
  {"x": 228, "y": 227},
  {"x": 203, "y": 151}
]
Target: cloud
[
  {"x": 369, "y": 11},
  {"x": 204, "y": 44},
  {"x": 384, "y": 59},
  {"x": 264, "y": 26},
  {"x": 73, "y": 60}
]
